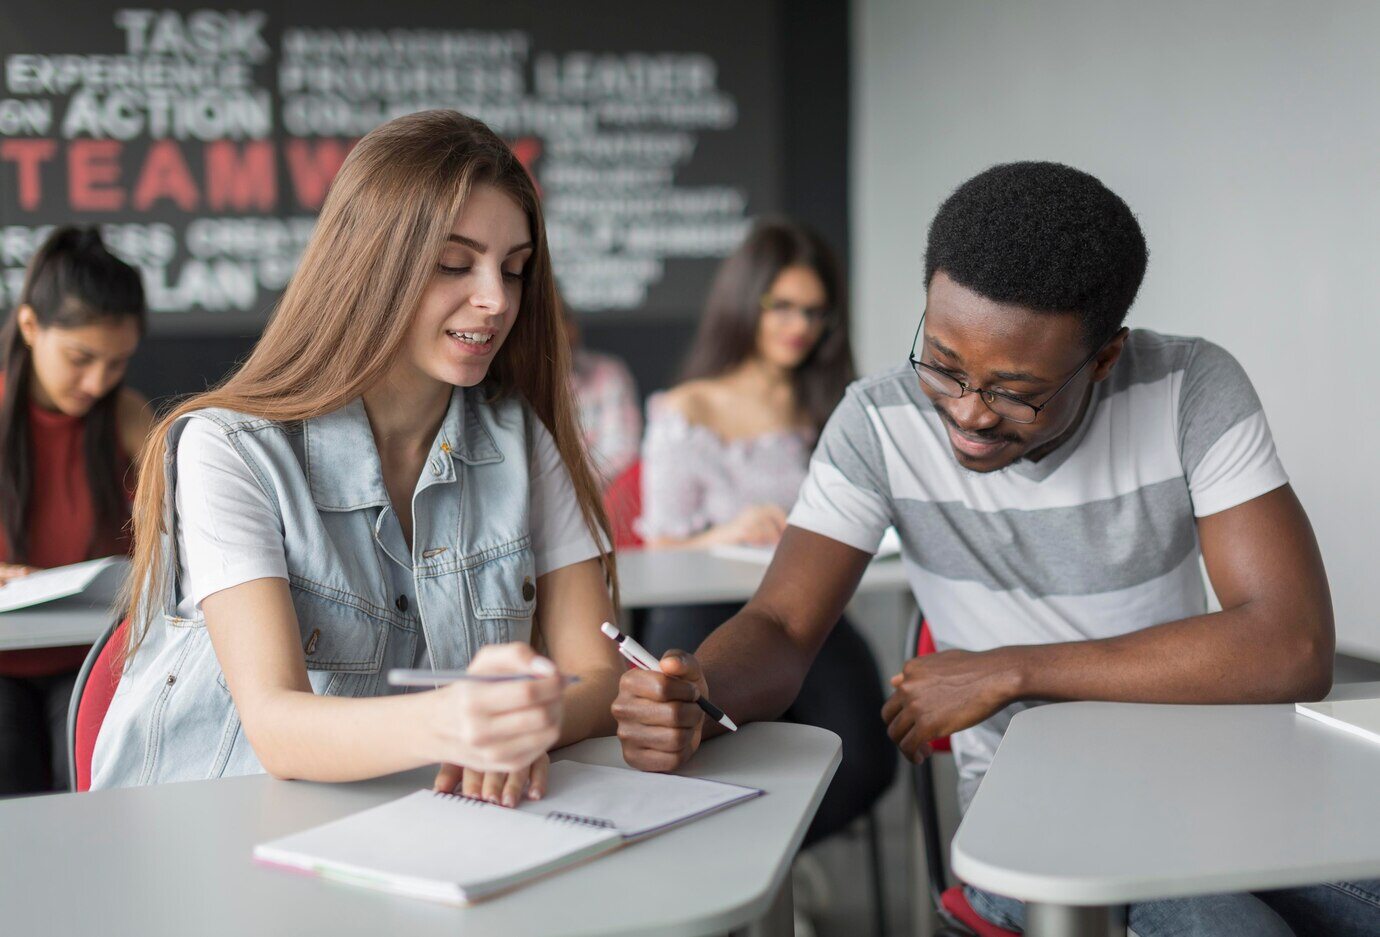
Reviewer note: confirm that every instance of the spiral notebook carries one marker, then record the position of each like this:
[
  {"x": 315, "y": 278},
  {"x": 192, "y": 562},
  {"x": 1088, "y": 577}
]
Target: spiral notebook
[{"x": 458, "y": 850}]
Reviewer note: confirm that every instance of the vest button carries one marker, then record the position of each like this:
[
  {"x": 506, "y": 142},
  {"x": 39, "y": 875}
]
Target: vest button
[
  {"x": 401, "y": 603},
  {"x": 529, "y": 591}
]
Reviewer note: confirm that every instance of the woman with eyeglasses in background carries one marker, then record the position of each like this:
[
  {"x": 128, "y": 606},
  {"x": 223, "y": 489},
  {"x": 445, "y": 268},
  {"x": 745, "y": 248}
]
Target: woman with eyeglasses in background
[{"x": 724, "y": 457}]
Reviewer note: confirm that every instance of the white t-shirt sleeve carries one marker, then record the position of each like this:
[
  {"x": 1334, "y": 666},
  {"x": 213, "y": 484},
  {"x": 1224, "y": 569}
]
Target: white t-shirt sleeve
[
  {"x": 559, "y": 535},
  {"x": 228, "y": 532},
  {"x": 1225, "y": 444}
]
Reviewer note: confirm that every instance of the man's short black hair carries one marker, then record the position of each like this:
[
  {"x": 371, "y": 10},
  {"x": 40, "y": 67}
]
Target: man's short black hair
[{"x": 1045, "y": 236}]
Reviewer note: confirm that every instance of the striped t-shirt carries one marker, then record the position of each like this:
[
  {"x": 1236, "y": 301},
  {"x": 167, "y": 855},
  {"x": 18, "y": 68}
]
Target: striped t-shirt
[{"x": 1096, "y": 539}]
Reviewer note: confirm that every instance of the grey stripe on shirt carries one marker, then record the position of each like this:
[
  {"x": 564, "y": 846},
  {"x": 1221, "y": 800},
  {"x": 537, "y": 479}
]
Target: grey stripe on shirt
[{"x": 1101, "y": 546}]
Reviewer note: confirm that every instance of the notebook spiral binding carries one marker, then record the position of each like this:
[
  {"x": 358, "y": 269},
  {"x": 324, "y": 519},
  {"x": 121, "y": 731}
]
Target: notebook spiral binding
[
  {"x": 557, "y": 816},
  {"x": 477, "y": 801},
  {"x": 600, "y": 822}
]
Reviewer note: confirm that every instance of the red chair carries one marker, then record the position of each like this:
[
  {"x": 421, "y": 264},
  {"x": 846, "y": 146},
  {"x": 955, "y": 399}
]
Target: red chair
[
  {"x": 91, "y": 696},
  {"x": 960, "y": 920},
  {"x": 623, "y": 502}
]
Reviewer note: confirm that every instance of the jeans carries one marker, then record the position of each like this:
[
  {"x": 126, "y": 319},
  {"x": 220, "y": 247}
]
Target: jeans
[
  {"x": 1345, "y": 909},
  {"x": 33, "y": 733},
  {"x": 842, "y": 692}
]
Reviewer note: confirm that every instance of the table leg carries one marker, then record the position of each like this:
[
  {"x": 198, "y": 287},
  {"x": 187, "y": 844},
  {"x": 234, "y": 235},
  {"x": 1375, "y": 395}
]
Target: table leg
[
  {"x": 779, "y": 921},
  {"x": 1058, "y": 920}
]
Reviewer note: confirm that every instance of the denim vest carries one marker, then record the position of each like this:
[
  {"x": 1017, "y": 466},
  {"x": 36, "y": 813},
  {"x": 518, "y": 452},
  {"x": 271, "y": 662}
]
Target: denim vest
[{"x": 172, "y": 717}]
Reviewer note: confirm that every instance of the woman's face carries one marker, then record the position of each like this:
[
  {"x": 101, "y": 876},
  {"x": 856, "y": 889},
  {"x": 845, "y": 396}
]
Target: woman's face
[
  {"x": 793, "y": 317},
  {"x": 475, "y": 292},
  {"x": 73, "y": 368}
]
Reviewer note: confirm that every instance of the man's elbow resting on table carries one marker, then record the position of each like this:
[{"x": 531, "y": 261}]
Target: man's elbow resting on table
[{"x": 1309, "y": 661}]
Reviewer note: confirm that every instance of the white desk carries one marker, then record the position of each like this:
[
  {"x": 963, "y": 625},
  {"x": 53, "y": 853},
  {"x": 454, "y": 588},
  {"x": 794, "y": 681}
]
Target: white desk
[
  {"x": 63, "y": 623},
  {"x": 1092, "y": 806},
  {"x": 685, "y": 577},
  {"x": 175, "y": 859}
]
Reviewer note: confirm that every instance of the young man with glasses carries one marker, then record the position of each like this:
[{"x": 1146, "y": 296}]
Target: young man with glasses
[{"x": 1055, "y": 479}]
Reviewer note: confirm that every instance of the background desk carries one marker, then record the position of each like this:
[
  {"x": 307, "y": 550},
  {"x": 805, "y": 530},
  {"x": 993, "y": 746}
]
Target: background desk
[
  {"x": 1091, "y": 805},
  {"x": 54, "y": 624},
  {"x": 685, "y": 577},
  {"x": 648, "y": 577},
  {"x": 175, "y": 859}
]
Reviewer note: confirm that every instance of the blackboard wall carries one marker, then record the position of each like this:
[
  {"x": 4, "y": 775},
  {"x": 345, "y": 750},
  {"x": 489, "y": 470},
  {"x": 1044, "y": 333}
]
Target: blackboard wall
[{"x": 803, "y": 132}]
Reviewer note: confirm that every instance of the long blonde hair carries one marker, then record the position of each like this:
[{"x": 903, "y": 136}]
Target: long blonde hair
[{"x": 341, "y": 323}]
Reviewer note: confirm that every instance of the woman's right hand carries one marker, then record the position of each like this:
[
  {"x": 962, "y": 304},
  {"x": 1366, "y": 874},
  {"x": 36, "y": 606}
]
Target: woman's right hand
[
  {"x": 758, "y": 525},
  {"x": 499, "y": 726},
  {"x": 10, "y": 571}
]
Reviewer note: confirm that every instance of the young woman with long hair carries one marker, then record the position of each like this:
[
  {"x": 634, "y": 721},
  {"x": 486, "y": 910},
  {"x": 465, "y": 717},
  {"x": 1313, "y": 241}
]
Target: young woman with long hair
[
  {"x": 394, "y": 478},
  {"x": 727, "y": 450},
  {"x": 69, "y": 430}
]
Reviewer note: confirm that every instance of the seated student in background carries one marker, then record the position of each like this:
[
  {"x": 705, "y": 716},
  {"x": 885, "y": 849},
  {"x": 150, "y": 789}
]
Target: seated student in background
[
  {"x": 1055, "y": 479},
  {"x": 394, "y": 478},
  {"x": 607, "y": 401},
  {"x": 69, "y": 431},
  {"x": 724, "y": 457}
]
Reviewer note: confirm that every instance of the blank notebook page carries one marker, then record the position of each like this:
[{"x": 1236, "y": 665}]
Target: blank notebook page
[
  {"x": 438, "y": 846},
  {"x": 635, "y": 803}
]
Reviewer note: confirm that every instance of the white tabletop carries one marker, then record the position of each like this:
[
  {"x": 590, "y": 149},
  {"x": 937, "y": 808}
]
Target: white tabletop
[
  {"x": 676, "y": 577},
  {"x": 175, "y": 859},
  {"x": 1113, "y": 803},
  {"x": 62, "y": 623}
]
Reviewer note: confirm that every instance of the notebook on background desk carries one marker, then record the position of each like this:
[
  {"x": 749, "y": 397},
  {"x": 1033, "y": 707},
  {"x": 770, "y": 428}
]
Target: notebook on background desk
[
  {"x": 94, "y": 580},
  {"x": 1357, "y": 716},
  {"x": 458, "y": 850},
  {"x": 889, "y": 546}
]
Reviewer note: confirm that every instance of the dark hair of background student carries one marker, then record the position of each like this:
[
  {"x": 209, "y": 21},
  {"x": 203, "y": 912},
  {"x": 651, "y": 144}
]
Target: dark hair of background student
[
  {"x": 73, "y": 281},
  {"x": 727, "y": 334}
]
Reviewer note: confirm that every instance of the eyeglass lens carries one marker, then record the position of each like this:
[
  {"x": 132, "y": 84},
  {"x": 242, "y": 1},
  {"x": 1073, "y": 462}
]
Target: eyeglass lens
[{"x": 1004, "y": 407}]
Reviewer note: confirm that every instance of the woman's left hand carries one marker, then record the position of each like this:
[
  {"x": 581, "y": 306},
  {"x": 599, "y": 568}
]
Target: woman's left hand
[
  {"x": 9, "y": 571},
  {"x": 497, "y": 787}
]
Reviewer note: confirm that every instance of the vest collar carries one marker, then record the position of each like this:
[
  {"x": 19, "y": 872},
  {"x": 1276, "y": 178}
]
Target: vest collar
[{"x": 342, "y": 461}]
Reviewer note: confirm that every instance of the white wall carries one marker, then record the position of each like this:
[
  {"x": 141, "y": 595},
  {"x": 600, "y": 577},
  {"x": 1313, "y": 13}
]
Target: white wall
[{"x": 1246, "y": 137}]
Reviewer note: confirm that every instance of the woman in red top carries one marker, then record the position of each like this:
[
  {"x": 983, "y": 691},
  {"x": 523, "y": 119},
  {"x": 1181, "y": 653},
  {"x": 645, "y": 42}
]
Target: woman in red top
[{"x": 68, "y": 433}]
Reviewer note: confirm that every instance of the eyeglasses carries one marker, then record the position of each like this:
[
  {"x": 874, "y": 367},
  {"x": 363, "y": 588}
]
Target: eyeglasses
[
  {"x": 1003, "y": 405},
  {"x": 814, "y": 315}
]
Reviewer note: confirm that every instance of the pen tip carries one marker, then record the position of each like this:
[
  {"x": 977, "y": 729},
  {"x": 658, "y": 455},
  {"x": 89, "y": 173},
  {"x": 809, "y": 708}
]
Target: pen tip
[
  {"x": 729, "y": 724},
  {"x": 609, "y": 630}
]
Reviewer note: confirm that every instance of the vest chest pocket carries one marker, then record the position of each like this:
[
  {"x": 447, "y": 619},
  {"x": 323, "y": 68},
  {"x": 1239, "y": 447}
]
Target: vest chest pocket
[
  {"x": 338, "y": 631},
  {"x": 503, "y": 586}
]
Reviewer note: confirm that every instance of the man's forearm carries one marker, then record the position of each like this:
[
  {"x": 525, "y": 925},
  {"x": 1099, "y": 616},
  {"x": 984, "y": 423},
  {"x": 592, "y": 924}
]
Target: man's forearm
[
  {"x": 1232, "y": 656},
  {"x": 753, "y": 666}
]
